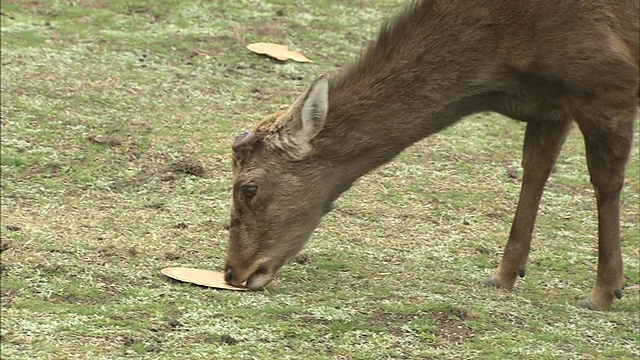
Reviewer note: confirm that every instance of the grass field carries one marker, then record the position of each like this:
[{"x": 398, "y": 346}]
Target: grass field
[{"x": 117, "y": 120}]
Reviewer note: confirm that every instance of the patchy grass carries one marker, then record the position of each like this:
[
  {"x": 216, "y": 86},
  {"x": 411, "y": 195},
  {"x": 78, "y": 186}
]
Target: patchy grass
[{"x": 117, "y": 118}]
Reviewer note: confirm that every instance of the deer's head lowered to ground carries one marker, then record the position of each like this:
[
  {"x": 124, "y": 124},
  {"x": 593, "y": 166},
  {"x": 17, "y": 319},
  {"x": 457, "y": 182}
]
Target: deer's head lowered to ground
[{"x": 278, "y": 197}]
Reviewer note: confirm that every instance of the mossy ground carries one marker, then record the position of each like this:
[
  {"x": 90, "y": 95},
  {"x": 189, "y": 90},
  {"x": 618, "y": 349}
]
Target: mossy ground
[{"x": 117, "y": 120}]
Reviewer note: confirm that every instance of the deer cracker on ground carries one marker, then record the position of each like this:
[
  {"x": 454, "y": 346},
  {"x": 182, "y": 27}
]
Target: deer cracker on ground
[{"x": 547, "y": 63}]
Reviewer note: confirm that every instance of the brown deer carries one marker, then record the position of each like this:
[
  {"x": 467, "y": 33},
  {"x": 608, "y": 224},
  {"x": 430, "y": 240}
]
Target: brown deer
[{"x": 545, "y": 62}]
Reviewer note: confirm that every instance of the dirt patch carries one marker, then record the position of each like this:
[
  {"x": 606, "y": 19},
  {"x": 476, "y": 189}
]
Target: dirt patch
[
  {"x": 210, "y": 340},
  {"x": 108, "y": 140},
  {"x": 2, "y": 13},
  {"x": 109, "y": 251},
  {"x": 133, "y": 154},
  {"x": 174, "y": 323},
  {"x": 224, "y": 339},
  {"x": 228, "y": 340},
  {"x": 65, "y": 297},
  {"x": 306, "y": 319},
  {"x": 150, "y": 345},
  {"x": 392, "y": 322},
  {"x": 52, "y": 269},
  {"x": 181, "y": 225},
  {"x": 4, "y": 245},
  {"x": 512, "y": 172},
  {"x": 6, "y": 297},
  {"x": 48, "y": 170},
  {"x": 451, "y": 324},
  {"x": 120, "y": 185},
  {"x": 352, "y": 213},
  {"x": 167, "y": 171},
  {"x": 382, "y": 318},
  {"x": 302, "y": 259},
  {"x": 187, "y": 166},
  {"x": 171, "y": 324},
  {"x": 483, "y": 250},
  {"x": 129, "y": 341},
  {"x": 155, "y": 15},
  {"x": 4, "y": 269},
  {"x": 133, "y": 251},
  {"x": 155, "y": 206},
  {"x": 169, "y": 255}
]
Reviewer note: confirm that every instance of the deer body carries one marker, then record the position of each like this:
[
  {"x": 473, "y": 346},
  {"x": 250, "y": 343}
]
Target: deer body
[{"x": 544, "y": 62}]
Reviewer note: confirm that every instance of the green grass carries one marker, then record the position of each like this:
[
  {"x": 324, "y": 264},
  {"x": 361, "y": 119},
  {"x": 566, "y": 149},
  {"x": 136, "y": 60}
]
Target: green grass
[{"x": 103, "y": 102}]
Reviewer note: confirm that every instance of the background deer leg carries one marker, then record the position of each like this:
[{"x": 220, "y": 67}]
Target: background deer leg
[
  {"x": 608, "y": 146},
  {"x": 542, "y": 144}
]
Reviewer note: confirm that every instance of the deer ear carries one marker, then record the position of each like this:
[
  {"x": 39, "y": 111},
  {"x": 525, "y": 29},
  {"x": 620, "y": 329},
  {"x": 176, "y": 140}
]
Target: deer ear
[
  {"x": 305, "y": 119},
  {"x": 313, "y": 113}
]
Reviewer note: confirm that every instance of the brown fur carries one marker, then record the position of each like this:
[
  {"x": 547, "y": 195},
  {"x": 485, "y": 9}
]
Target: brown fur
[{"x": 548, "y": 63}]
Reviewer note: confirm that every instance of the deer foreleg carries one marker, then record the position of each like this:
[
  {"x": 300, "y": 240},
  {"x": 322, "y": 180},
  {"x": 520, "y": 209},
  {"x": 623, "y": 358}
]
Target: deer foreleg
[{"x": 542, "y": 144}]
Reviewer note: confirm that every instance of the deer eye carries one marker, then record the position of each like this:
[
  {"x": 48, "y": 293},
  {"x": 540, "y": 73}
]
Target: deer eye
[{"x": 249, "y": 191}]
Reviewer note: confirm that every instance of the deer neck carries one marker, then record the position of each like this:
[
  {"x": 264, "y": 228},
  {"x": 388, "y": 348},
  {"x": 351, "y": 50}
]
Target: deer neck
[
  {"x": 418, "y": 79},
  {"x": 368, "y": 126}
]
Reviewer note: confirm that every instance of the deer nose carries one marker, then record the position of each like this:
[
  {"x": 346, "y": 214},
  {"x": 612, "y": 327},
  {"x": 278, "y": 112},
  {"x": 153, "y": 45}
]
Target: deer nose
[{"x": 228, "y": 275}]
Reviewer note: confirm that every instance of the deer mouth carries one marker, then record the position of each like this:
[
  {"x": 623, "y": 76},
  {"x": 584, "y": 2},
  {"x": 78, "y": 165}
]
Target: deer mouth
[
  {"x": 259, "y": 279},
  {"x": 254, "y": 281}
]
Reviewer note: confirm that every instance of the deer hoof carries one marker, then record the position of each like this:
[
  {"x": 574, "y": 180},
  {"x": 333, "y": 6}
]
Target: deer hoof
[
  {"x": 595, "y": 303},
  {"x": 587, "y": 305},
  {"x": 522, "y": 273},
  {"x": 499, "y": 282},
  {"x": 493, "y": 282},
  {"x": 618, "y": 294}
]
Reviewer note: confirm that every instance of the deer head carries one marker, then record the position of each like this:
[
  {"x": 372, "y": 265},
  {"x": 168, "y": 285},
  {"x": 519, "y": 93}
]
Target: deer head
[{"x": 279, "y": 190}]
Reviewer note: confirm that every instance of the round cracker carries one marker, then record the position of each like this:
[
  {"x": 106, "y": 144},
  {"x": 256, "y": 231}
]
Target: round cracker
[{"x": 209, "y": 278}]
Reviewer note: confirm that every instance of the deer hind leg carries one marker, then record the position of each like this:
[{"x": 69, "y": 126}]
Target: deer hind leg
[
  {"x": 542, "y": 144},
  {"x": 608, "y": 141}
]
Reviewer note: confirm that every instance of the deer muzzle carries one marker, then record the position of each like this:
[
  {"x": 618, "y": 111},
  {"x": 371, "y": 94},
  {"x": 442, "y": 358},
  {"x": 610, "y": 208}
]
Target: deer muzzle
[{"x": 253, "y": 280}]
